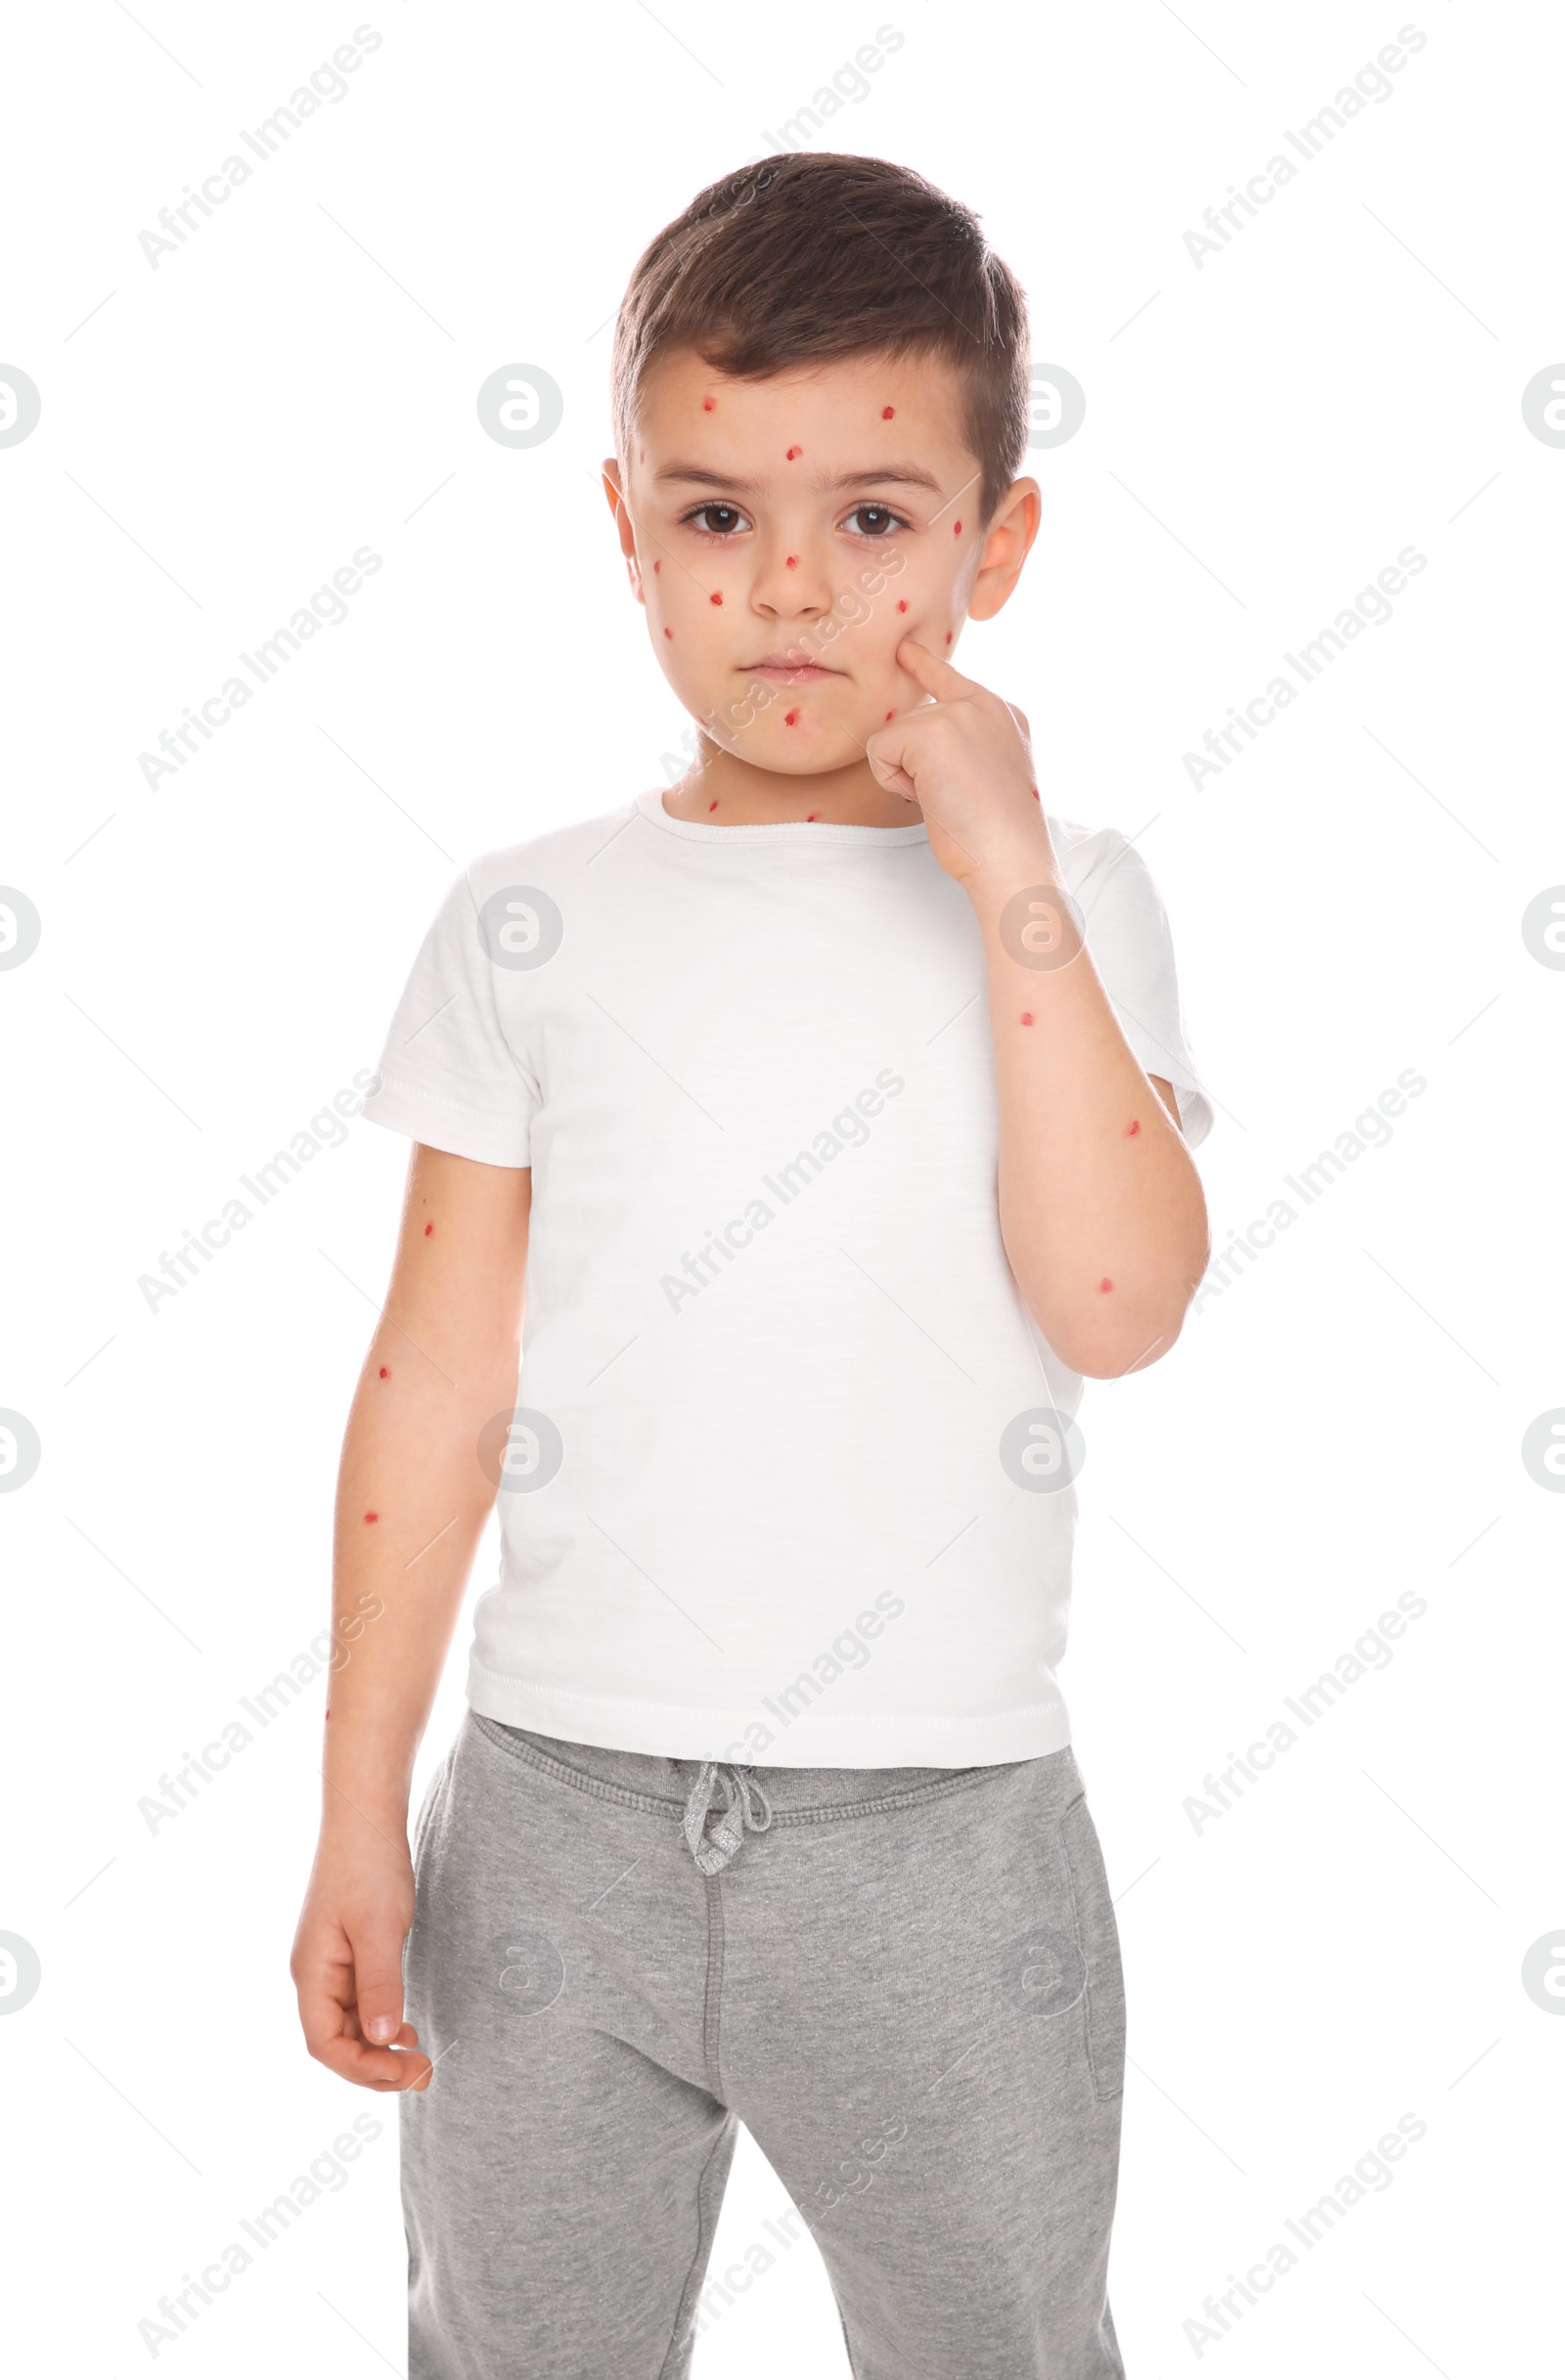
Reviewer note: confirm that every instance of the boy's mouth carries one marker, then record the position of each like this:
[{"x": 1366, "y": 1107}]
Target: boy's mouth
[{"x": 784, "y": 671}]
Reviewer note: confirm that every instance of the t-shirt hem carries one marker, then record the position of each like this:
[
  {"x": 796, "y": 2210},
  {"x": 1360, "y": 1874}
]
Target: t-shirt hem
[
  {"x": 848, "y": 1739},
  {"x": 441, "y": 1122}
]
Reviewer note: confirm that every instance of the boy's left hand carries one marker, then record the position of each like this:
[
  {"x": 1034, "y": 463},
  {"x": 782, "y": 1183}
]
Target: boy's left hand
[{"x": 966, "y": 757}]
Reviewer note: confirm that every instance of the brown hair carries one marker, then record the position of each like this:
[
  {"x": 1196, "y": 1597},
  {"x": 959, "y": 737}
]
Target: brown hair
[{"x": 806, "y": 257}]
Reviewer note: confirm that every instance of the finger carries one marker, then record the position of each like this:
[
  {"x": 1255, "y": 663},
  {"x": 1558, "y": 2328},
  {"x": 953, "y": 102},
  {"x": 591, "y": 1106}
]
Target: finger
[
  {"x": 886, "y": 763},
  {"x": 936, "y": 677},
  {"x": 376, "y": 1951},
  {"x": 333, "y": 2038}
]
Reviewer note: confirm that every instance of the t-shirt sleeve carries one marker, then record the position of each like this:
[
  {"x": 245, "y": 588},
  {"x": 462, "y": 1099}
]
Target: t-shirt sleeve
[
  {"x": 1132, "y": 949},
  {"x": 448, "y": 1076}
]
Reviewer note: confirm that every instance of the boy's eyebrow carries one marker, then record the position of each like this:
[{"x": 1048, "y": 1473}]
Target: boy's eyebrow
[{"x": 898, "y": 475}]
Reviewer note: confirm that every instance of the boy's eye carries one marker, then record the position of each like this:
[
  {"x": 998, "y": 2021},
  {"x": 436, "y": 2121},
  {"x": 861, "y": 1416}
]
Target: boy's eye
[
  {"x": 718, "y": 520},
  {"x": 875, "y": 520}
]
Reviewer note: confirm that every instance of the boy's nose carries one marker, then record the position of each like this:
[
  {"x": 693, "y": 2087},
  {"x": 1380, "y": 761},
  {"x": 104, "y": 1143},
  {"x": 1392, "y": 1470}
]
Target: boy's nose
[{"x": 791, "y": 585}]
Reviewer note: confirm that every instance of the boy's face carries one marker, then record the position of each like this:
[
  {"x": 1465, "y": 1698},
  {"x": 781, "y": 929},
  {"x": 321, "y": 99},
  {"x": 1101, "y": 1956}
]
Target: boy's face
[{"x": 786, "y": 535}]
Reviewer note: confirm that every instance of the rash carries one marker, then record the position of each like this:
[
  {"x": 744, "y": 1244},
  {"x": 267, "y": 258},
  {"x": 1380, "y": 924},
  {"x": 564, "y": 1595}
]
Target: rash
[
  {"x": 790, "y": 718},
  {"x": 794, "y": 561},
  {"x": 710, "y": 806},
  {"x": 669, "y": 634},
  {"x": 1105, "y": 1284},
  {"x": 386, "y": 1371},
  {"x": 794, "y": 452},
  {"x": 1133, "y": 1127},
  {"x": 372, "y": 1517},
  {"x": 957, "y": 531},
  {"x": 1026, "y": 1016},
  {"x": 708, "y": 404},
  {"x": 902, "y": 603},
  {"x": 429, "y": 1232},
  {"x": 714, "y": 598}
]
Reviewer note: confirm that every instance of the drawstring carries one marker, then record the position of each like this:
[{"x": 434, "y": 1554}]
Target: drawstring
[{"x": 713, "y": 1851}]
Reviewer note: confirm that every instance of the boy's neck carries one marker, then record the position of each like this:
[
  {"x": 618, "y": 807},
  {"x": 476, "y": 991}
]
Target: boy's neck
[{"x": 720, "y": 790}]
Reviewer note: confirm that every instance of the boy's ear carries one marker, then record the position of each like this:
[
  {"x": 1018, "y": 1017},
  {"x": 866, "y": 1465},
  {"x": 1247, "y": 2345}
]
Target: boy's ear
[
  {"x": 1007, "y": 545},
  {"x": 627, "y": 531}
]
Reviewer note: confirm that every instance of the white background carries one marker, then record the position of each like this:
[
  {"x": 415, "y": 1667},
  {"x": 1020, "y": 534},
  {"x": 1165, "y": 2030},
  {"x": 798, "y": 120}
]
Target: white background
[{"x": 1341, "y": 1425}]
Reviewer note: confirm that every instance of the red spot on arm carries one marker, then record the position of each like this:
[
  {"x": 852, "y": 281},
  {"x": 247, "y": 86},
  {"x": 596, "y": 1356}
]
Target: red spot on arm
[
  {"x": 1133, "y": 1127},
  {"x": 714, "y": 598},
  {"x": 790, "y": 718},
  {"x": 386, "y": 1371},
  {"x": 429, "y": 1232},
  {"x": 794, "y": 452},
  {"x": 887, "y": 412},
  {"x": 1105, "y": 1284},
  {"x": 1026, "y": 1016},
  {"x": 902, "y": 604},
  {"x": 957, "y": 531},
  {"x": 372, "y": 1515}
]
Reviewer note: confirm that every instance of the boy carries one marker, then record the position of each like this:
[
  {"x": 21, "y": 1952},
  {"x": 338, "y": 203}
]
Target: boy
[{"x": 834, "y": 1159}]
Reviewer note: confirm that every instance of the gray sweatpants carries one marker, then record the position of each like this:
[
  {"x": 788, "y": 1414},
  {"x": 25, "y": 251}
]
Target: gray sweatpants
[{"x": 905, "y": 1981}]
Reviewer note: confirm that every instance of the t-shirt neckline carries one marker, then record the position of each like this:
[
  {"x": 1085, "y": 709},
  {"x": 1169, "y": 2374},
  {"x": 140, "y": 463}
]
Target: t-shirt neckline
[{"x": 824, "y": 833}]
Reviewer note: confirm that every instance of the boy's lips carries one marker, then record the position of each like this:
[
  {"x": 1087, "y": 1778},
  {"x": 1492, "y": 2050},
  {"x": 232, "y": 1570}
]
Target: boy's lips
[{"x": 789, "y": 673}]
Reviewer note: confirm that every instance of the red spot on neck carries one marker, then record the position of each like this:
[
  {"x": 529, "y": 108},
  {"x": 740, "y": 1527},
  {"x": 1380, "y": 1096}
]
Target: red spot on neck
[
  {"x": 1026, "y": 1016},
  {"x": 794, "y": 452},
  {"x": 714, "y": 598},
  {"x": 372, "y": 1515},
  {"x": 957, "y": 531},
  {"x": 429, "y": 1232},
  {"x": 710, "y": 806},
  {"x": 1133, "y": 1127},
  {"x": 790, "y": 718},
  {"x": 1105, "y": 1284},
  {"x": 386, "y": 1371},
  {"x": 887, "y": 412},
  {"x": 810, "y": 817}
]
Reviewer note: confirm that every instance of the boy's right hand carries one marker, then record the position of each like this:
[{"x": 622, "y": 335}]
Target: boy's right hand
[{"x": 347, "y": 1963}]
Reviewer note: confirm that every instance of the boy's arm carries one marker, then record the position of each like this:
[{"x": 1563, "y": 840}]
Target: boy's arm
[
  {"x": 412, "y": 1501},
  {"x": 1100, "y": 1207}
]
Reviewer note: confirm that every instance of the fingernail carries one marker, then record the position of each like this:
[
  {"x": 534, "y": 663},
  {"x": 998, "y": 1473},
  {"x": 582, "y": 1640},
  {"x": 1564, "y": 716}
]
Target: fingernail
[{"x": 381, "y": 2028}]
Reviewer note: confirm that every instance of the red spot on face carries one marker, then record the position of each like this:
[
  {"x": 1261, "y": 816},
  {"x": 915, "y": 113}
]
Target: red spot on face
[
  {"x": 656, "y": 567},
  {"x": 429, "y": 1232},
  {"x": 794, "y": 452},
  {"x": 708, "y": 404},
  {"x": 1033, "y": 790},
  {"x": 887, "y": 412},
  {"x": 1133, "y": 1127},
  {"x": 794, "y": 561},
  {"x": 957, "y": 531},
  {"x": 329, "y": 1714},
  {"x": 1105, "y": 1284},
  {"x": 710, "y": 806},
  {"x": 386, "y": 1371},
  {"x": 669, "y": 634},
  {"x": 715, "y": 598},
  {"x": 891, "y": 715},
  {"x": 1026, "y": 1016},
  {"x": 372, "y": 1515},
  {"x": 790, "y": 718},
  {"x": 948, "y": 635},
  {"x": 902, "y": 603}
]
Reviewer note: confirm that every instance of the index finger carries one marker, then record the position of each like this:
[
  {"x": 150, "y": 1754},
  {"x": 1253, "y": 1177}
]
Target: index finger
[{"x": 936, "y": 677}]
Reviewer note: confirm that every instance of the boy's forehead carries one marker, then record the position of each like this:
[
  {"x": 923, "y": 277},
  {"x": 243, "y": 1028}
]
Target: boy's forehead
[{"x": 881, "y": 406}]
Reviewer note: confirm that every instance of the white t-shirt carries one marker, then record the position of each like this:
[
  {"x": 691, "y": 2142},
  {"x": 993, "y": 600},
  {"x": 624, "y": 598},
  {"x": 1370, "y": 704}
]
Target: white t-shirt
[{"x": 790, "y": 1478}]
